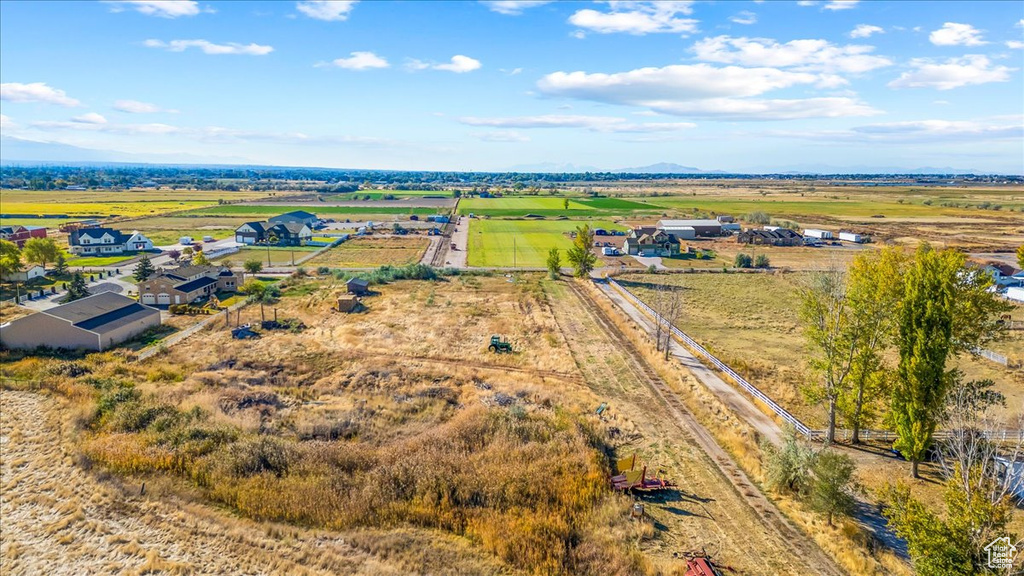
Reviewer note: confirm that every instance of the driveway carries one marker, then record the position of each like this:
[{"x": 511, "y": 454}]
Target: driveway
[{"x": 648, "y": 261}]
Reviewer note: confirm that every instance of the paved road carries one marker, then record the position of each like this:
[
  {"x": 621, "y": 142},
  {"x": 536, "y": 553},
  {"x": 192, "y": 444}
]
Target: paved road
[{"x": 457, "y": 257}]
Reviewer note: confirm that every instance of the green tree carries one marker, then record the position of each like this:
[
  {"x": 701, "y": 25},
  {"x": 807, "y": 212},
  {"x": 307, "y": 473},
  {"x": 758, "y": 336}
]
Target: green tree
[
  {"x": 832, "y": 335},
  {"x": 10, "y": 257},
  {"x": 144, "y": 269},
  {"x": 787, "y": 467},
  {"x": 40, "y": 250},
  {"x": 743, "y": 261},
  {"x": 580, "y": 256},
  {"x": 554, "y": 263},
  {"x": 762, "y": 261},
  {"x": 832, "y": 484},
  {"x": 60, "y": 266},
  {"x": 259, "y": 293},
  {"x": 253, "y": 266},
  {"x": 873, "y": 293},
  {"x": 565, "y": 203},
  {"x": 76, "y": 288},
  {"x": 946, "y": 310}
]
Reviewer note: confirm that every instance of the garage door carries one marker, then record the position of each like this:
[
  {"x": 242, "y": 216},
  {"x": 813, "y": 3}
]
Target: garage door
[
  {"x": 148, "y": 299},
  {"x": 164, "y": 299}
]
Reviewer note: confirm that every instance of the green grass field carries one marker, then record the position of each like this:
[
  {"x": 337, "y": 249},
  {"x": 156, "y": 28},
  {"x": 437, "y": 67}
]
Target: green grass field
[
  {"x": 521, "y": 206},
  {"x": 336, "y": 212},
  {"x": 491, "y": 241}
]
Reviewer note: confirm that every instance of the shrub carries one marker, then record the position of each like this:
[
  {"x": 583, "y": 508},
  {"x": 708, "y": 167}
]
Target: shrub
[
  {"x": 757, "y": 218},
  {"x": 762, "y": 261},
  {"x": 743, "y": 261}
]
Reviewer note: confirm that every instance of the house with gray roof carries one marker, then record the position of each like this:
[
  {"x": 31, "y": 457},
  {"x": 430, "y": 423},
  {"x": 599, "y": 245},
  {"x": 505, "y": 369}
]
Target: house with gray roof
[{"x": 95, "y": 322}]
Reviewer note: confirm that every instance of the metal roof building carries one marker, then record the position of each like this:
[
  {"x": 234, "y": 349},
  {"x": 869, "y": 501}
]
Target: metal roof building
[
  {"x": 95, "y": 322},
  {"x": 703, "y": 227}
]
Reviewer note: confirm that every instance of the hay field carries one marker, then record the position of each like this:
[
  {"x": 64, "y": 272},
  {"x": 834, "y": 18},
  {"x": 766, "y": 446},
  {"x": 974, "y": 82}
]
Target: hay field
[
  {"x": 371, "y": 252},
  {"x": 751, "y": 322},
  {"x": 130, "y": 203},
  {"x": 524, "y": 243}
]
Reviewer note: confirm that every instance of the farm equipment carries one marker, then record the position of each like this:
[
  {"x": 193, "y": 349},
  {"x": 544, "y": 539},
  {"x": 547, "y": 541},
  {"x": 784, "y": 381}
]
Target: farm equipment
[
  {"x": 629, "y": 478},
  {"x": 699, "y": 564},
  {"x": 498, "y": 345}
]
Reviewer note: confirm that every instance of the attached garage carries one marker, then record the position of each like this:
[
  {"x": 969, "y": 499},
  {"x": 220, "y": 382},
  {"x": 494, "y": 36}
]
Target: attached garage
[
  {"x": 163, "y": 299},
  {"x": 148, "y": 299}
]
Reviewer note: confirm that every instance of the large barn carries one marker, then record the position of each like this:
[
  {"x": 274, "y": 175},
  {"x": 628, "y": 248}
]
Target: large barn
[
  {"x": 95, "y": 322},
  {"x": 683, "y": 228}
]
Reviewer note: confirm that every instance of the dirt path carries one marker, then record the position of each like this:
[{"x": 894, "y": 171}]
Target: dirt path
[
  {"x": 742, "y": 406},
  {"x": 58, "y": 519},
  {"x": 716, "y": 506}
]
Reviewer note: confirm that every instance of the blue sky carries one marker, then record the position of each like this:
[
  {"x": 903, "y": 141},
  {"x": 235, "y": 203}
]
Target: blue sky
[{"x": 492, "y": 85}]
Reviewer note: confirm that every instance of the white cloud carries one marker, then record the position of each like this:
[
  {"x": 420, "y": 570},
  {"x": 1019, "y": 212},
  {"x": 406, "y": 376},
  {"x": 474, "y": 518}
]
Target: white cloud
[
  {"x": 804, "y": 55},
  {"x": 592, "y": 123},
  {"x": 806, "y": 2},
  {"x": 35, "y": 92},
  {"x": 638, "y": 18},
  {"x": 921, "y": 131},
  {"x": 578, "y": 34},
  {"x": 1015, "y": 44},
  {"x": 503, "y": 136},
  {"x": 513, "y": 7},
  {"x": 6, "y": 122},
  {"x": 865, "y": 31},
  {"x": 161, "y": 8},
  {"x": 90, "y": 118},
  {"x": 704, "y": 90},
  {"x": 458, "y": 64},
  {"x": 361, "y": 61},
  {"x": 953, "y": 73},
  {"x": 328, "y": 10},
  {"x": 210, "y": 48},
  {"x": 953, "y": 34},
  {"x": 840, "y": 5},
  {"x": 745, "y": 17},
  {"x": 1020, "y": 23},
  {"x": 136, "y": 107}
]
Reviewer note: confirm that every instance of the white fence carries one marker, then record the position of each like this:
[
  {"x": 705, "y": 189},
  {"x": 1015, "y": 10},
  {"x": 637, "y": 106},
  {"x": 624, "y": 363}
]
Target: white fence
[
  {"x": 990, "y": 355},
  {"x": 750, "y": 388},
  {"x": 782, "y": 413}
]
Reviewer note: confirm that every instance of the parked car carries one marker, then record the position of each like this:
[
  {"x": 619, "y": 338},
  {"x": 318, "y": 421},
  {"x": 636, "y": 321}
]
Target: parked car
[{"x": 208, "y": 239}]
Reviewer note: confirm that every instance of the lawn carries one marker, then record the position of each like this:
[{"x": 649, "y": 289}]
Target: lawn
[
  {"x": 369, "y": 252},
  {"x": 98, "y": 261},
  {"x": 491, "y": 242}
]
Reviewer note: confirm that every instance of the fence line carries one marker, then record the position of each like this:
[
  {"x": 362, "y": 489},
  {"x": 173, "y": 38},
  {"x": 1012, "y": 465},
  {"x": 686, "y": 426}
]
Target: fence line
[
  {"x": 841, "y": 433},
  {"x": 993, "y": 356},
  {"x": 753, "y": 390}
]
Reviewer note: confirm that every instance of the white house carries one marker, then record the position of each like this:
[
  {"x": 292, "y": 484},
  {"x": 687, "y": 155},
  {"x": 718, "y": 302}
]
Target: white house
[
  {"x": 106, "y": 242},
  {"x": 1003, "y": 274},
  {"x": 36, "y": 271}
]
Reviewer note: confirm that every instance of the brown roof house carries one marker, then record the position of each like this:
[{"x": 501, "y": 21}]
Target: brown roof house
[
  {"x": 187, "y": 284},
  {"x": 95, "y": 322}
]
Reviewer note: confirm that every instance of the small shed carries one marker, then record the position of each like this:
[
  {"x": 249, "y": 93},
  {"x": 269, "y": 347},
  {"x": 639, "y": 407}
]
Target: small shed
[
  {"x": 358, "y": 286},
  {"x": 347, "y": 302}
]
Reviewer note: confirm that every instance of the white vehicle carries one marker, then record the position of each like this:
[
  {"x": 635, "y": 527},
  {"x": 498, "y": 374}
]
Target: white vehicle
[
  {"x": 208, "y": 239},
  {"x": 609, "y": 251},
  {"x": 185, "y": 240}
]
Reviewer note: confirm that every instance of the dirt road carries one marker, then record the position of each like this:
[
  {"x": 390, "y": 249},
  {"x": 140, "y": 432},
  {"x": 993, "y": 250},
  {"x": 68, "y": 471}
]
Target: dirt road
[
  {"x": 58, "y": 519},
  {"x": 716, "y": 507}
]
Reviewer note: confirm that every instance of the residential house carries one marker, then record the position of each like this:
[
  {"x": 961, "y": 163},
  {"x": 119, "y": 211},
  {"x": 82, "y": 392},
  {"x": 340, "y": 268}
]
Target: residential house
[
  {"x": 290, "y": 233},
  {"x": 106, "y": 242},
  {"x": 650, "y": 241},
  {"x": 775, "y": 237},
  {"x": 36, "y": 271},
  {"x": 1002, "y": 273},
  {"x": 296, "y": 217},
  {"x": 251, "y": 233},
  {"x": 95, "y": 322},
  {"x": 21, "y": 234},
  {"x": 186, "y": 284}
]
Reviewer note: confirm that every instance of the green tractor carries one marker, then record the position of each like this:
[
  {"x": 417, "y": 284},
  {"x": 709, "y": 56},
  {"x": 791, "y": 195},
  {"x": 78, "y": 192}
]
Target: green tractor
[{"x": 498, "y": 345}]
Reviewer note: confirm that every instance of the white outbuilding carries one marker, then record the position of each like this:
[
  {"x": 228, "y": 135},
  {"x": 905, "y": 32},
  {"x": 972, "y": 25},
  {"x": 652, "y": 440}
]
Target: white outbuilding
[
  {"x": 851, "y": 237},
  {"x": 1015, "y": 293},
  {"x": 819, "y": 234}
]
